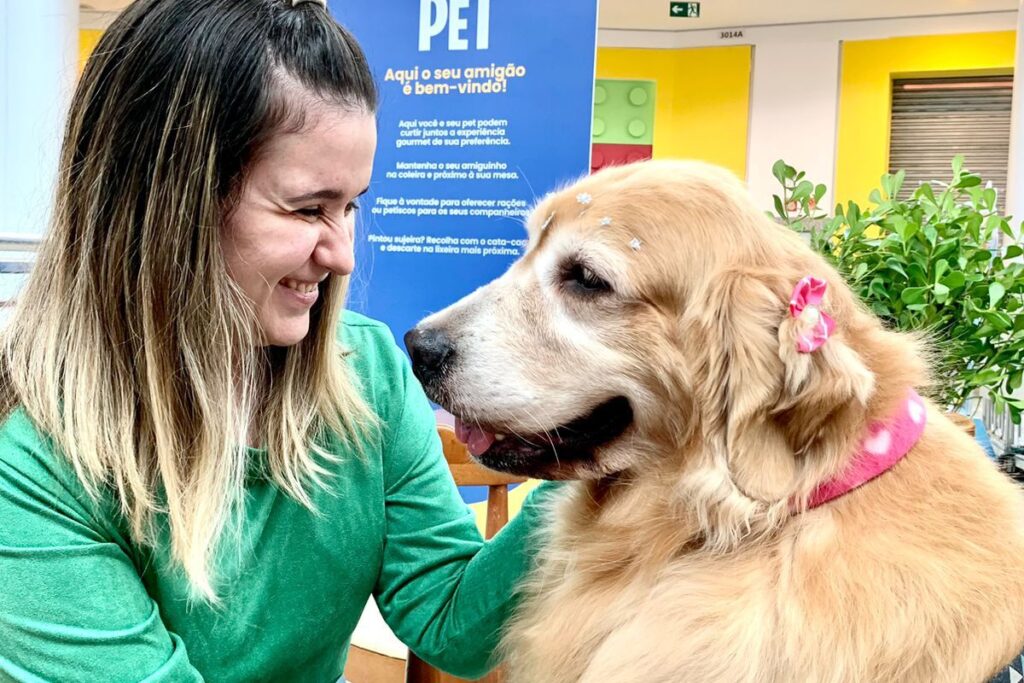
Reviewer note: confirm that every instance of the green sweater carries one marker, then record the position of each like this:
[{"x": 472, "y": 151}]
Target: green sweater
[{"x": 79, "y": 601}]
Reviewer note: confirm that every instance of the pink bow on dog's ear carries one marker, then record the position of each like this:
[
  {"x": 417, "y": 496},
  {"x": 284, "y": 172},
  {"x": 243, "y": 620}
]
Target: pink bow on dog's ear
[{"x": 805, "y": 305}]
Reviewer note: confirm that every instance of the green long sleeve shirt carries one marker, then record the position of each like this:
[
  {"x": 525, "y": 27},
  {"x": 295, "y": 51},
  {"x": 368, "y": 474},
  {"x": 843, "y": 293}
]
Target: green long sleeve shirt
[{"x": 79, "y": 601}]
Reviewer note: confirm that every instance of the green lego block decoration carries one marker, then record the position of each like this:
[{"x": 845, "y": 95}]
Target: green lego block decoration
[{"x": 623, "y": 112}]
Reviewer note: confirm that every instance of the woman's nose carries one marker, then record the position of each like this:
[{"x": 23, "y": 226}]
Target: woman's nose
[{"x": 334, "y": 250}]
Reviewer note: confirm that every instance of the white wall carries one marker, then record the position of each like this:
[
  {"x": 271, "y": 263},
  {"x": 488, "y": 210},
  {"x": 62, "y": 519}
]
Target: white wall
[
  {"x": 1015, "y": 171},
  {"x": 793, "y": 100},
  {"x": 38, "y": 63},
  {"x": 866, "y": 29}
]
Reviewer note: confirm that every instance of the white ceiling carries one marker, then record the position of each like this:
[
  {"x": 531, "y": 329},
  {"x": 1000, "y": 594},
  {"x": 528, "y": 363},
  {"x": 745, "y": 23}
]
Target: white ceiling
[{"x": 654, "y": 14}]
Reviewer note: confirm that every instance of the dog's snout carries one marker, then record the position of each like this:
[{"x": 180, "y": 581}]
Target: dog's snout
[{"x": 430, "y": 349}]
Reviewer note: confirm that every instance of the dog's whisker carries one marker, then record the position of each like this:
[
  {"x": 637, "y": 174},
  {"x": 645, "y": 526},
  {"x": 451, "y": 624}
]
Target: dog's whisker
[
  {"x": 541, "y": 431},
  {"x": 547, "y": 434}
]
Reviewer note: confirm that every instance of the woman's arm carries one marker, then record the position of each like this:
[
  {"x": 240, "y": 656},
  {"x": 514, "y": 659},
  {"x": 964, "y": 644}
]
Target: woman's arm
[
  {"x": 443, "y": 590},
  {"x": 72, "y": 606}
]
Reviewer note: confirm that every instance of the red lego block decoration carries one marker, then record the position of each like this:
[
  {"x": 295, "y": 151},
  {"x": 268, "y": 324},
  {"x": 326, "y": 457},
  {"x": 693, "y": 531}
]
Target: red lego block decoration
[{"x": 607, "y": 154}]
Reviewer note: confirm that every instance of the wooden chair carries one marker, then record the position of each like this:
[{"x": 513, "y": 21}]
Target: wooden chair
[{"x": 381, "y": 662}]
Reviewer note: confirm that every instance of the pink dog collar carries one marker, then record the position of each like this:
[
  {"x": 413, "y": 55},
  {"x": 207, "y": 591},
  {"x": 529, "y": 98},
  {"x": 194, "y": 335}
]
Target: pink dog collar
[{"x": 884, "y": 445}]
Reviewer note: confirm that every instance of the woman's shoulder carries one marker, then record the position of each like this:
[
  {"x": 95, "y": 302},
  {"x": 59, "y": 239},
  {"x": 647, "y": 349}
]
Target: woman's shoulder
[
  {"x": 377, "y": 361},
  {"x": 25, "y": 450},
  {"x": 356, "y": 327},
  {"x": 369, "y": 344},
  {"x": 38, "y": 483}
]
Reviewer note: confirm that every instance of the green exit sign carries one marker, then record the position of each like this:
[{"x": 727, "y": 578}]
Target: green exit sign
[{"x": 684, "y": 9}]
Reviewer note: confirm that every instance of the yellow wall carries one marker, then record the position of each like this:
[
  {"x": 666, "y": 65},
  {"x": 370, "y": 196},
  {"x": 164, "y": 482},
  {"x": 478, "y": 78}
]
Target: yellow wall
[
  {"x": 87, "y": 39},
  {"x": 702, "y": 99},
  {"x": 865, "y": 93}
]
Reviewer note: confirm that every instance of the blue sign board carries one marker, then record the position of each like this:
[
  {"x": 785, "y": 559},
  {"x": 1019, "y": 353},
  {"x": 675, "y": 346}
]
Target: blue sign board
[{"x": 485, "y": 106}]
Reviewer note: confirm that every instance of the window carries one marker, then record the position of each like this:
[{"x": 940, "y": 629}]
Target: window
[{"x": 934, "y": 119}]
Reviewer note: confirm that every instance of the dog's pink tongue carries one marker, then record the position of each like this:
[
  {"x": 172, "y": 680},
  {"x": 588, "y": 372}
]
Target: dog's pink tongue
[{"x": 476, "y": 439}]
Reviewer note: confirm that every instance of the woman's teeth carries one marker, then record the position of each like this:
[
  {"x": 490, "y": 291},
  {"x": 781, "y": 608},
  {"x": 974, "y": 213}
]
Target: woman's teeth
[{"x": 304, "y": 287}]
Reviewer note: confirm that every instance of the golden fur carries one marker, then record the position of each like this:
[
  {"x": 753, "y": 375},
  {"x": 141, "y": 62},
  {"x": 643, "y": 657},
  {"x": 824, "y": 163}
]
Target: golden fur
[{"x": 675, "y": 556}]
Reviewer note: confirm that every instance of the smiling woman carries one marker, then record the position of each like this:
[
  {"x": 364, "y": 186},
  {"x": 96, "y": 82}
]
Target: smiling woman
[
  {"x": 295, "y": 220},
  {"x": 206, "y": 466}
]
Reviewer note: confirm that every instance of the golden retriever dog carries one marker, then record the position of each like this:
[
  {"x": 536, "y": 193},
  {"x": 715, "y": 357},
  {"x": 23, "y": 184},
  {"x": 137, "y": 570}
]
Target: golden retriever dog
[{"x": 644, "y": 347}]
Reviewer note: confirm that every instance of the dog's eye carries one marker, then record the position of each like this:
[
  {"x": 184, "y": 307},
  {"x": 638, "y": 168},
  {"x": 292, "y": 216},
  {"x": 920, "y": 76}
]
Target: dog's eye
[{"x": 583, "y": 279}]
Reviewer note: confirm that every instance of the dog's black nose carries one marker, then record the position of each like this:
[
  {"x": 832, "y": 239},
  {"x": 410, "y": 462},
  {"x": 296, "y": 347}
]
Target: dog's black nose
[{"x": 430, "y": 349}]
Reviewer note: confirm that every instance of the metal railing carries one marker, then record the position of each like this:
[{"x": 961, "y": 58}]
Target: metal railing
[
  {"x": 14, "y": 242},
  {"x": 1002, "y": 432},
  {"x": 17, "y": 255}
]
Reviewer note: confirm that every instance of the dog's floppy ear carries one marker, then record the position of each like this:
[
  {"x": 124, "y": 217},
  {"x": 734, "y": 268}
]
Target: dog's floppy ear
[
  {"x": 825, "y": 381},
  {"x": 765, "y": 402}
]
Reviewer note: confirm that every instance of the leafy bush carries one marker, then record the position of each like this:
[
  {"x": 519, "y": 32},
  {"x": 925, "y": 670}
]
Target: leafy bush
[{"x": 932, "y": 262}]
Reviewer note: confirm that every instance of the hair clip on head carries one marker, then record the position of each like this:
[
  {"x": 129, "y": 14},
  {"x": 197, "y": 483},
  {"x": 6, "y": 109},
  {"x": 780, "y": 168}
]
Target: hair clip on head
[{"x": 805, "y": 306}]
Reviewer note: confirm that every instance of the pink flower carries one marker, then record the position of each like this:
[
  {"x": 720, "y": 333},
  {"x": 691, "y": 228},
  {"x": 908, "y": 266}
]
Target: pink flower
[{"x": 805, "y": 306}]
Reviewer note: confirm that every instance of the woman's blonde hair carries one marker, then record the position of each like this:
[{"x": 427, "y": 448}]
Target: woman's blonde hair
[{"x": 131, "y": 347}]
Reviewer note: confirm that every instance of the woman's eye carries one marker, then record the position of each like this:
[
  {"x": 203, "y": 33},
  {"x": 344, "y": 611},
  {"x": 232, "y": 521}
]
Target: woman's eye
[
  {"x": 318, "y": 211},
  {"x": 584, "y": 280},
  {"x": 310, "y": 212}
]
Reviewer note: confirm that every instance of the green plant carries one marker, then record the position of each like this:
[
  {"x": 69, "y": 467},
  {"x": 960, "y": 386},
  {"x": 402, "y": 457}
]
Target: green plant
[{"x": 931, "y": 262}]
